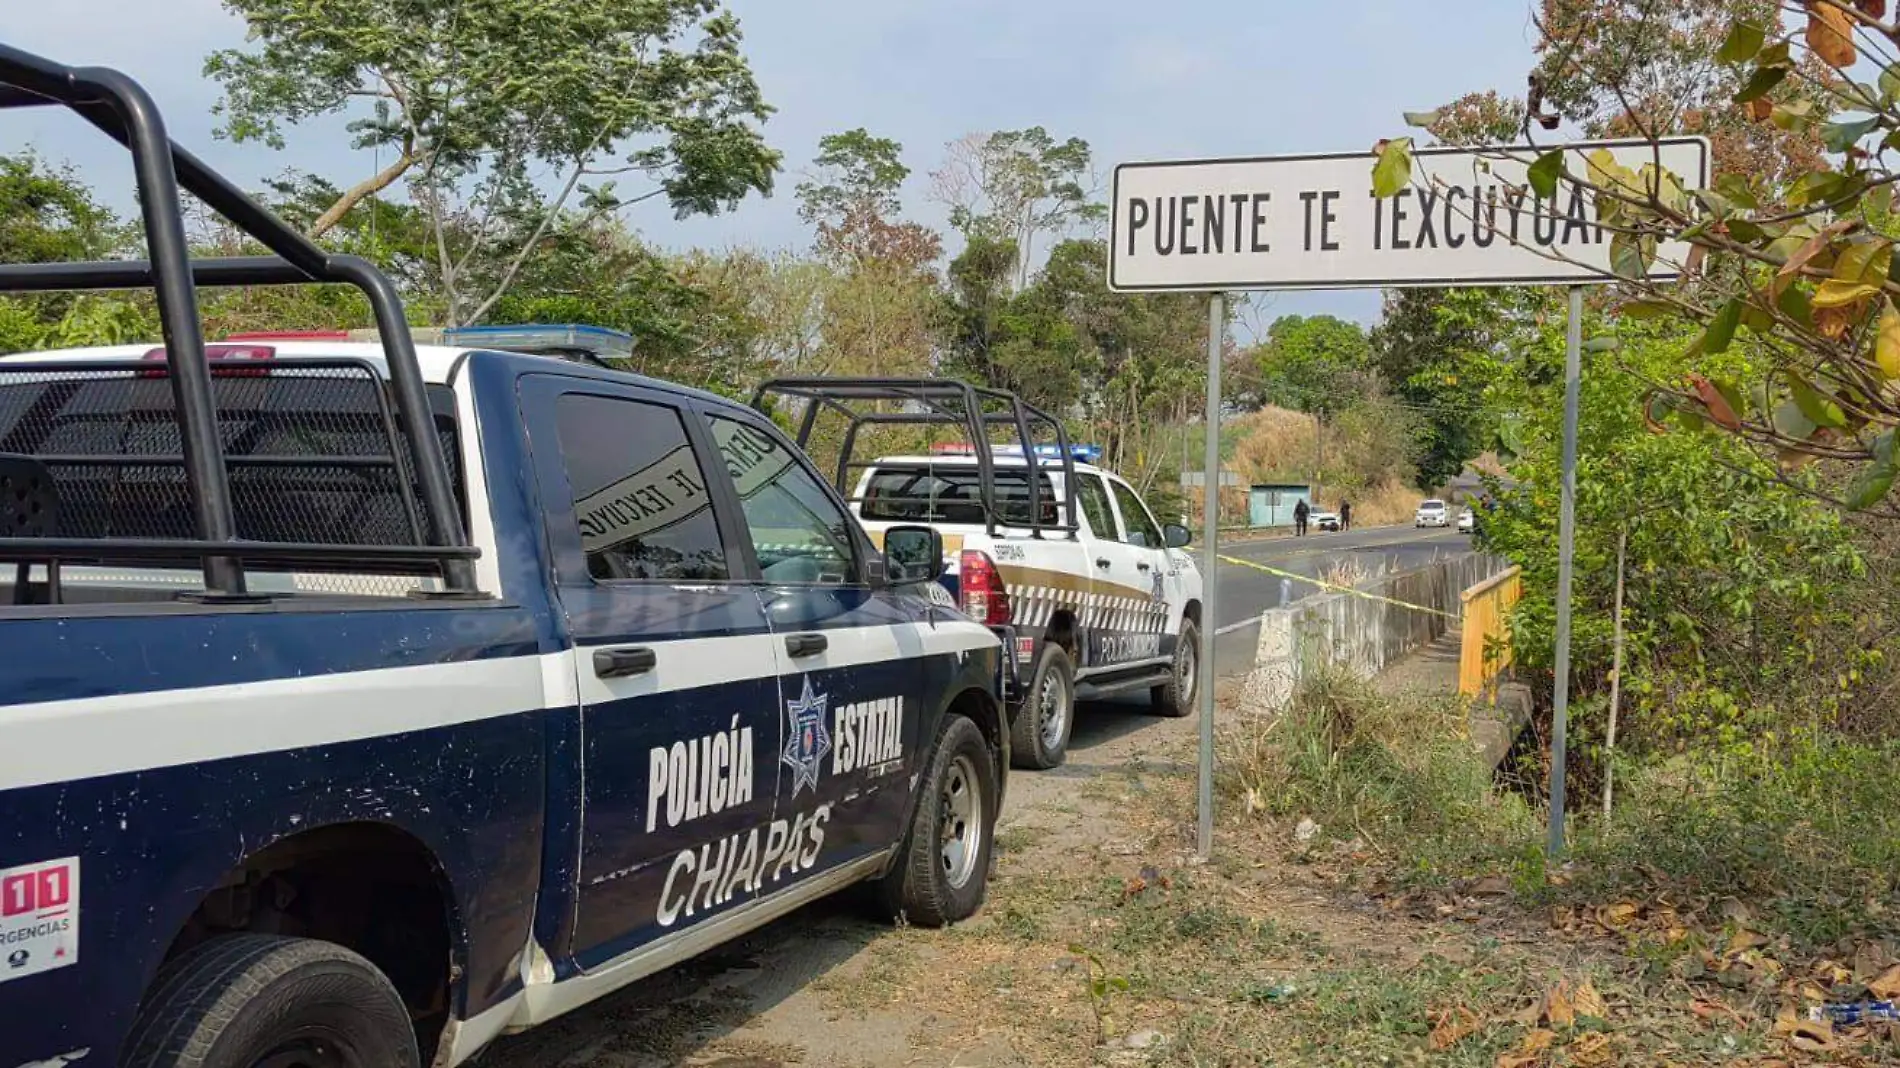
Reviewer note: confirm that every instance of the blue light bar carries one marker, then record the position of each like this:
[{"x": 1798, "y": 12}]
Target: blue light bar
[
  {"x": 545, "y": 338},
  {"x": 1087, "y": 454}
]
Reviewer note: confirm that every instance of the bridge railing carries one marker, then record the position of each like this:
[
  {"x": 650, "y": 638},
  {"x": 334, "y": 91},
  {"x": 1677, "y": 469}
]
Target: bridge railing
[{"x": 1485, "y": 646}]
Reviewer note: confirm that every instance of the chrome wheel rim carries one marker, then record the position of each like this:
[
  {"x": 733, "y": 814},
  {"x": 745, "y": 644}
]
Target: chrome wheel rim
[
  {"x": 960, "y": 822},
  {"x": 1186, "y": 671},
  {"x": 1052, "y": 711}
]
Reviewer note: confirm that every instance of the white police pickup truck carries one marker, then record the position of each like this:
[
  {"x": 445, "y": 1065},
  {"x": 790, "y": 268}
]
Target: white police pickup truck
[
  {"x": 1102, "y": 598},
  {"x": 362, "y": 703}
]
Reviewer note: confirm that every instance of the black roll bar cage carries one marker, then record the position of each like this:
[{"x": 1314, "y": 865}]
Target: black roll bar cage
[
  {"x": 943, "y": 402},
  {"x": 122, "y": 109}
]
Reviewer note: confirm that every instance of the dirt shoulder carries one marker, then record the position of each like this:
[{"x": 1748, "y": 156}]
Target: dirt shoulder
[{"x": 1104, "y": 943}]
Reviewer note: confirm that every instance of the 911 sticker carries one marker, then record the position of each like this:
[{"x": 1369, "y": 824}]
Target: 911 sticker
[{"x": 39, "y": 918}]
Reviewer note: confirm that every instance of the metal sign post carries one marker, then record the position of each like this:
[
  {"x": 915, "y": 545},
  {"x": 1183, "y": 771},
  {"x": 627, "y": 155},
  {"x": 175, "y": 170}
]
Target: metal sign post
[
  {"x": 1566, "y": 550},
  {"x": 1210, "y": 569},
  {"x": 1470, "y": 217}
]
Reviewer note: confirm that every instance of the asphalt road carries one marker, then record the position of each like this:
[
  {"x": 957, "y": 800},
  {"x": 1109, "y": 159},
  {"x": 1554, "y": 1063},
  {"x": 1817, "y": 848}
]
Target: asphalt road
[{"x": 1359, "y": 554}]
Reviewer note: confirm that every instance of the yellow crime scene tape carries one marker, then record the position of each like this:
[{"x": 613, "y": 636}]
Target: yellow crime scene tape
[{"x": 1335, "y": 587}]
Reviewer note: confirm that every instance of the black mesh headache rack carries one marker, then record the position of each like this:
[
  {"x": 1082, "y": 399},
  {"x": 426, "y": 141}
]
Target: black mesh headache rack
[
  {"x": 182, "y": 461},
  {"x": 975, "y": 410}
]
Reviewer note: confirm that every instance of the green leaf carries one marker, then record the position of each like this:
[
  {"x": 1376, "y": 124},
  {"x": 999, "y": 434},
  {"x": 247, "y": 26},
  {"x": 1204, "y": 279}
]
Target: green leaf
[
  {"x": 1879, "y": 200},
  {"x": 1721, "y": 329},
  {"x": 1775, "y": 55},
  {"x": 1761, "y": 83},
  {"x": 1872, "y": 484},
  {"x": 1730, "y": 392},
  {"x": 1890, "y": 85},
  {"x": 1647, "y": 309},
  {"x": 1393, "y": 171},
  {"x": 1632, "y": 254},
  {"x": 1795, "y": 304},
  {"x": 1794, "y": 116},
  {"x": 1819, "y": 408},
  {"x": 1423, "y": 119},
  {"x": 1746, "y": 231},
  {"x": 1840, "y": 136},
  {"x": 1742, "y": 43},
  {"x": 1544, "y": 173},
  {"x": 1790, "y": 423},
  {"x": 1601, "y": 343},
  {"x": 1736, "y": 188},
  {"x": 1756, "y": 318}
]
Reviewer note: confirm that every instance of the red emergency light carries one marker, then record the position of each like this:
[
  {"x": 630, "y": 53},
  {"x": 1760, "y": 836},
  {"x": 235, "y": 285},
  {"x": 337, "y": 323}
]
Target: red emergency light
[{"x": 225, "y": 355}]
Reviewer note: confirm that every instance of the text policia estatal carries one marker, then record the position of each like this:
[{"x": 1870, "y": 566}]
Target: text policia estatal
[
  {"x": 709, "y": 876},
  {"x": 1444, "y": 217}
]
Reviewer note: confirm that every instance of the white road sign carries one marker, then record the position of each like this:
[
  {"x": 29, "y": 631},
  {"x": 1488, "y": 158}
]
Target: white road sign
[{"x": 1311, "y": 222}]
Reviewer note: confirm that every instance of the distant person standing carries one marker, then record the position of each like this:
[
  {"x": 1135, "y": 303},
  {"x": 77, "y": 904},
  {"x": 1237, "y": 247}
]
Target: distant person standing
[
  {"x": 1345, "y": 515},
  {"x": 1300, "y": 512}
]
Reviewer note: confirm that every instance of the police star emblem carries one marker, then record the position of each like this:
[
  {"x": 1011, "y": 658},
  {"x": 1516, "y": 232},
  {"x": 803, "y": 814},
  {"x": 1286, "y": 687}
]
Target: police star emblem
[{"x": 808, "y": 741}]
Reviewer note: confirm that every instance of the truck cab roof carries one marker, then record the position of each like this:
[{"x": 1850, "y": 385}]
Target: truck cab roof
[{"x": 439, "y": 363}]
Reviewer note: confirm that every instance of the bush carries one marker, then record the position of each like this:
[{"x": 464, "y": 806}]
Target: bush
[
  {"x": 1811, "y": 825},
  {"x": 1395, "y": 771}
]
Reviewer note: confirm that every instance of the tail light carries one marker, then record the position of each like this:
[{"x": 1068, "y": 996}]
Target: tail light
[
  {"x": 229, "y": 354},
  {"x": 984, "y": 597}
]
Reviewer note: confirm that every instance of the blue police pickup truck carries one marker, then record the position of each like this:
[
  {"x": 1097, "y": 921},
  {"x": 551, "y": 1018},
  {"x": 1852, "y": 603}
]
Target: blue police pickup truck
[{"x": 360, "y": 703}]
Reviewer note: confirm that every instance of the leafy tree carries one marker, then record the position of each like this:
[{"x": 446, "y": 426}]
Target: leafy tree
[
  {"x": 1017, "y": 186},
  {"x": 473, "y": 100},
  {"x": 1787, "y": 267},
  {"x": 853, "y": 171},
  {"x": 47, "y": 215},
  {"x": 1312, "y": 364}
]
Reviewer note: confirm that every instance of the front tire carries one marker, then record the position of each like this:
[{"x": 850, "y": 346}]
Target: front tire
[
  {"x": 242, "y": 1000},
  {"x": 1175, "y": 697},
  {"x": 1039, "y": 734},
  {"x": 943, "y": 870}
]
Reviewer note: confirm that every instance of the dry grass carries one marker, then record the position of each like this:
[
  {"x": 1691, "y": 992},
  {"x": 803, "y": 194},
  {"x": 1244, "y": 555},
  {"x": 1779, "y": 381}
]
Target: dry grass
[{"x": 1363, "y": 461}]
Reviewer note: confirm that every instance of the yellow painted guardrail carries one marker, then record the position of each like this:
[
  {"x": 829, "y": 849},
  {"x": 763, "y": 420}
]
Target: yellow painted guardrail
[{"x": 1485, "y": 646}]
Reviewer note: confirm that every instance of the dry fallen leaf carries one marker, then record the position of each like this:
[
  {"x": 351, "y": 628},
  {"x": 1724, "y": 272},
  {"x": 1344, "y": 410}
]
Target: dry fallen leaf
[
  {"x": 1559, "y": 1011},
  {"x": 1451, "y": 1026},
  {"x": 1745, "y": 940},
  {"x": 1528, "y": 1052},
  {"x": 1591, "y": 1050},
  {"x": 1587, "y": 1002},
  {"x": 1886, "y": 985},
  {"x": 1623, "y": 913},
  {"x": 1760, "y": 109},
  {"x": 1812, "y": 1036},
  {"x": 1490, "y": 886}
]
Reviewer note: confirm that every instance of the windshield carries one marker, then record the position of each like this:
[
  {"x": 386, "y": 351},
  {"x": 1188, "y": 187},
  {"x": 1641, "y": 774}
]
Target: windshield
[
  {"x": 930, "y": 493},
  {"x": 1432, "y": 506}
]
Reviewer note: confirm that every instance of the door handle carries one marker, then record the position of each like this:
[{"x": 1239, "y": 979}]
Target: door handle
[
  {"x": 1142, "y": 565},
  {"x": 805, "y": 644},
  {"x": 623, "y": 662},
  {"x": 1101, "y": 561}
]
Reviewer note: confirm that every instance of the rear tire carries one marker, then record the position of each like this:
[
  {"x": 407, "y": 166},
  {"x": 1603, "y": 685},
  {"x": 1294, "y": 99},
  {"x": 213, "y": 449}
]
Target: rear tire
[
  {"x": 1175, "y": 697},
  {"x": 942, "y": 872},
  {"x": 246, "y": 999},
  {"x": 1039, "y": 733}
]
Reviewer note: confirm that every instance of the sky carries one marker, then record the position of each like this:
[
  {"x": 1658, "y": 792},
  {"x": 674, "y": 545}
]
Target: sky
[{"x": 1138, "y": 80}]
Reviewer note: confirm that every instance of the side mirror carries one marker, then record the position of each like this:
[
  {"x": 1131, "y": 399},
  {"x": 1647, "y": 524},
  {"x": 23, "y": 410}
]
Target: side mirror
[
  {"x": 1176, "y": 536},
  {"x": 912, "y": 554}
]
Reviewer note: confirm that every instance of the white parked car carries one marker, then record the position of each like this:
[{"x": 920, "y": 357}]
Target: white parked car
[
  {"x": 1432, "y": 513},
  {"x": 1467, "y": 521},
  {"x": 1325, "y": 520}
]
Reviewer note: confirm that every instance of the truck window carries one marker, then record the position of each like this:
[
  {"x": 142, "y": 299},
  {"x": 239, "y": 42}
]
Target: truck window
[
  {"x": 928, "y": 493},
  {"x": 1094, "y": 499},
  {"x": 798, "y": 532},
  {"x": 639, "y": 492},
  {"x": 1140, "y": 525}
]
